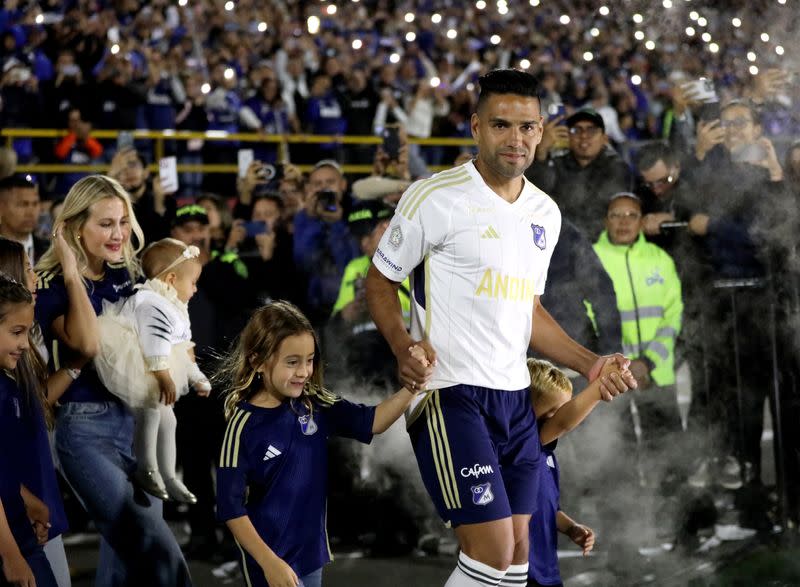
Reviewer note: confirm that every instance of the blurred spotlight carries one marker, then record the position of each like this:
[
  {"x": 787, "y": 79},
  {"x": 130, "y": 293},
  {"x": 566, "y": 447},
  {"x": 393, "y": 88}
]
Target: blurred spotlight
[
  {"x": 534, "y": 2},
  {"x": 650, "y": 45},
  {"x": 436, "y": 18},
  {"x": 331, "y": 9},
  {"x": 229, "y": 73},
  {"x": 229, "y": 5},
  {"x": 636, "y": 80},
  {"x": 667, "y": 3},
  {"x": 452, "y": 34},
  {"x": 114, "y": 49},
  {"x": 638, "y": 18},
  {"x": 638, "y": 35},
  {"x": 779, "y": 49},
  {"x": 357, "y": 44},
  {"x": 262, "y": 27},
  {"x": 702, "y": 21},
  {"x": 435, "y": 82},
  {"x": 564, "y": 19},
  {"x": 411, "y": 36},
  {"x": 39, "y": 18},
  {"x": 714, "y": 48},
  {"x": 693, "y": 15},
  {"x": 689, "y": 31},
  {"x": 183, "y": 2},
  {"x": 588, "y": 56},
  {"x": 751, "y": 56},
  {"x": 409, "y": 17},
  {"x": 313, "y": 24},
  {"x": 604, "y": 10},
  {"x": 480, "y": 5},
  {"x": 394, "y": 58},
  {"x": 706, "y": 37},
  {"x": 754, "y": 70},
  {"x": 470, "y": 87},
  {"x": 765, "y": 37},
  {"x": 595, "y": 32},
  {"x": 781, "y": 1},
  {"x": 737, "y": 22},
  {"x": 502, "y": 9},
  {"x": 524, "y": 64},
  {"x": 205, "y": 88},
  {"x": 495, "y": 39}
]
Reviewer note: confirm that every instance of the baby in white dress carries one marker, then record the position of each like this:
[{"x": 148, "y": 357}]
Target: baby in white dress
[{"x": 146, "y": 359}]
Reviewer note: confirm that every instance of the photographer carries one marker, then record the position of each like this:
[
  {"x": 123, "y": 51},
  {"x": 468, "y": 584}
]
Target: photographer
[{"x": 322, "y": 244}]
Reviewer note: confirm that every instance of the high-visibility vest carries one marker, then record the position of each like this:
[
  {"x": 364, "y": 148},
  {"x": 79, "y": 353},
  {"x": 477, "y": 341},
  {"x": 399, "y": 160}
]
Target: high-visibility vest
[{"x": 649, "y": 300}]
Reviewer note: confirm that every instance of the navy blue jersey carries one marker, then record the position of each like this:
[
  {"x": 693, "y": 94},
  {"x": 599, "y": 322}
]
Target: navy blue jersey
[
  {"x": 542, "y": 556},
  {"x": 274, "y": 467},
  {"x": 52, "y": 302},
  {"x": 12, "y": 455}
]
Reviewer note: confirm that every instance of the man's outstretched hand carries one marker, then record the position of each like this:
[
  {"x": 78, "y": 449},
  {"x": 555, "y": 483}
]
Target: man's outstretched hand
[{"x": 613, "y": 384}]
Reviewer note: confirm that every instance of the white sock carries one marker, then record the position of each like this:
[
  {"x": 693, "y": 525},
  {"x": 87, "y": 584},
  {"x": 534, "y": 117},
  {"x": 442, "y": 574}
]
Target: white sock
[
  {"x": 166, "y": 448},
  {"x": 516, "y": 576},
  {"x": 471, "y": 573},
  {"x": 145, "y": 438}
]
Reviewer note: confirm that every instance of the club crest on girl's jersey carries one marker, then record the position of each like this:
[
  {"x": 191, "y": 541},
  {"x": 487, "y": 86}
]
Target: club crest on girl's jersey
[
  {"x": 307, "y": 424},
  {"x": 539, "y": 238},
  {"x": 482, "y": 494}
]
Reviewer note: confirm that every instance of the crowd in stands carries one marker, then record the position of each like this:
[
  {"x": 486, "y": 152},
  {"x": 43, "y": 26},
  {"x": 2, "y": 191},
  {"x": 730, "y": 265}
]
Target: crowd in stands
[{"x": 659, "y": 240}]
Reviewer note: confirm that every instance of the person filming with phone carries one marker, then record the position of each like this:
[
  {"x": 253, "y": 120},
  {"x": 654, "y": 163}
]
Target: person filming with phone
[
  {"x": 745, "y": 220},
  {"x": 323, "y": 245}
]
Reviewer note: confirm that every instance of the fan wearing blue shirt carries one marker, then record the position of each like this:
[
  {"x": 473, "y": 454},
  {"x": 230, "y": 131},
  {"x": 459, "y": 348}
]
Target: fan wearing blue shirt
[{"x": 272, "y": 474}]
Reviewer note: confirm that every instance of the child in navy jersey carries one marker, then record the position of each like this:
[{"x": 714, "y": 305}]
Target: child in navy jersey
[
  {"x": 557, "y": 413},
  {"x": 24, "y": 519},
  {"x": 272, "y": 475}
]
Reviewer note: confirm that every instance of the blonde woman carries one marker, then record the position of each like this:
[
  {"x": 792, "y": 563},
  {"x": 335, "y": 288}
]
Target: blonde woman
[{"x": 94, "y": 430}]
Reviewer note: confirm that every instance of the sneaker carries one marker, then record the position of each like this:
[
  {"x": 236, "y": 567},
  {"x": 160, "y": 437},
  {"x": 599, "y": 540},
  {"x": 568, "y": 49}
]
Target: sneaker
[
  {"x": 730, "y": 476},
  {"x": 730, "y": 532},
  {"x": 702, "y": 476}
]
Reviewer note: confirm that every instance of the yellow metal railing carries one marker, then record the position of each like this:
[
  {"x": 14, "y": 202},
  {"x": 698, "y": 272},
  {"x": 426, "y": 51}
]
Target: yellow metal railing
[{"x": 160, "y": 136}]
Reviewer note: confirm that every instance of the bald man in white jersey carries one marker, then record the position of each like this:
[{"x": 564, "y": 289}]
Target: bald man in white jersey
[{"x": 477, "y": 241}]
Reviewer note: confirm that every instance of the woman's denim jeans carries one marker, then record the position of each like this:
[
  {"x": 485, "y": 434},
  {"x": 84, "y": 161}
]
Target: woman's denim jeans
[{"x": 94, "y": 440}]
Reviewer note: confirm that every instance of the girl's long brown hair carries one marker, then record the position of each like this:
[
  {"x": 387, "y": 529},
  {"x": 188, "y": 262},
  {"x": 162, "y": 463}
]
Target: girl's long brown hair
[
  {"x": 31, "y": 371},
  {"x": 258, "y": 344}
]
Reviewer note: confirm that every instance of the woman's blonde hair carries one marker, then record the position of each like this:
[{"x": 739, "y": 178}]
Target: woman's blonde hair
[
  {"x": 258, "y": 344},
  {"x": 86, "y": 192},
  {"x": 547, "y": 379}
]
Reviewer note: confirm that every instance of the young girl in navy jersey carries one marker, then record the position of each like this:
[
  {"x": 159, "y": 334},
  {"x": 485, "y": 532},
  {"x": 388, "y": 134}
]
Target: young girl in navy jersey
[
  {"x": 557, "y": 413},
  {"x": 272, "y": 474},
  {"x": 94, "y": 429},
  {"x": 38, "y": 473},
  {"x": 24, "y": 518}
]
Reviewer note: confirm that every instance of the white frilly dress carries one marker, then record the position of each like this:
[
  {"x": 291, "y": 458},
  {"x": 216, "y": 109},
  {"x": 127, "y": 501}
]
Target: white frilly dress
[{"x": 149, "y": 331}]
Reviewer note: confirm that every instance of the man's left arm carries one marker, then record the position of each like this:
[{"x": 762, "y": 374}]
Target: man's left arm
[{"x": 550, "y": 340}]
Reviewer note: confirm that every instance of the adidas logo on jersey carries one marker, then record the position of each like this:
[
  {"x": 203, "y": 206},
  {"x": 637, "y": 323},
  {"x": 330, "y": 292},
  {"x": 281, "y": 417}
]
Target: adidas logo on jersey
[
  {"x": 272, "y": 452},
  {"x": 490, "y": 233}
]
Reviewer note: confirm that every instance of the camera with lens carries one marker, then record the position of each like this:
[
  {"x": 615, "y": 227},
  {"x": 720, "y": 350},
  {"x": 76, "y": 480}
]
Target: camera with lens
[{"x": 327, "y": 200}]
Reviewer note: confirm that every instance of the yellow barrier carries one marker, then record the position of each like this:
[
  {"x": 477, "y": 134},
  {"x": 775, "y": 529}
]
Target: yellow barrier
[{"x": 159, "y": 136}]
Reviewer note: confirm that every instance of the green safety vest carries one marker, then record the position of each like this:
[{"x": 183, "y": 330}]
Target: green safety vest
[
  {"x": 355, "y": 272},
  {"x": 649, "y": 300}
]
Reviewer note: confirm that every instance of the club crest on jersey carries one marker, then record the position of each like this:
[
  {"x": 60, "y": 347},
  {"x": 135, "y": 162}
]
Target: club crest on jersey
[
  {"x": 539, "y": 238},
  {"x": 482, "y": 494},
  {"x": 396, "y": 237},
  {"x": 307, "y": 424}
]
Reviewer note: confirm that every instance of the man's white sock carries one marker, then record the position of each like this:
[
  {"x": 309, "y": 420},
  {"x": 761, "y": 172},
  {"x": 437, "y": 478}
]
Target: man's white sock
[
  {"x": 516, "y": 576},
  {"x": 471, "y": 573}
]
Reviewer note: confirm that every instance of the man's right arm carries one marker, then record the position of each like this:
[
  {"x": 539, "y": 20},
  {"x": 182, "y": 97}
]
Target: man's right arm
[{"x": 384, "y": 307}]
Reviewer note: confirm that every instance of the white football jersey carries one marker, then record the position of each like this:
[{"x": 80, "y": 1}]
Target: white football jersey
[{"x": 476, "y": 262}]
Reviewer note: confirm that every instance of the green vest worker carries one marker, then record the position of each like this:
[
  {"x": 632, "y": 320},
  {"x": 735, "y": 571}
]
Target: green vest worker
[{"x": 648, "y": 292}]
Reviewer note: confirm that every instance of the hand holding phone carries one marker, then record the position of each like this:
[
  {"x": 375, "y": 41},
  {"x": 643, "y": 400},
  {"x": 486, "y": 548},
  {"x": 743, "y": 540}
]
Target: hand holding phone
[
  {"x": 391, "y": 142},
  {"x": 256, "y": 227}
]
